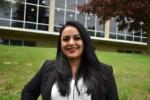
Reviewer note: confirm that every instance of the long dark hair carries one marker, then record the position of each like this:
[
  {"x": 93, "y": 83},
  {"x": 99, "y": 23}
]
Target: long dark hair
[{"x": 90, "y": 68}]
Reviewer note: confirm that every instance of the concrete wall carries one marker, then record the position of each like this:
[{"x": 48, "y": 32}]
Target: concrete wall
[
  {"x": 119, "y": 47},
  {"x": 51, "y": 41},
  {"x": 40, "y": 39}
]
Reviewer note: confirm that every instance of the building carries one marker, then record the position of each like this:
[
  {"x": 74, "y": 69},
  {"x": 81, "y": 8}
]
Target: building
[{"x": 37, "y": 23}]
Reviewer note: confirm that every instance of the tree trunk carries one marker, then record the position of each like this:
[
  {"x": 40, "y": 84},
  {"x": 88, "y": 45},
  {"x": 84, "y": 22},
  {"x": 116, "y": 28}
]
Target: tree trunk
[{"x": 148, "y": 43}]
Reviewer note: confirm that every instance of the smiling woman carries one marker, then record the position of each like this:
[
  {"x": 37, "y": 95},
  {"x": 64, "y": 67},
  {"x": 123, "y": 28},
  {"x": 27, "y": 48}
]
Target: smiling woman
[
  {"x": 76, "y": 73},
  {"x": 71, "y": 43}
]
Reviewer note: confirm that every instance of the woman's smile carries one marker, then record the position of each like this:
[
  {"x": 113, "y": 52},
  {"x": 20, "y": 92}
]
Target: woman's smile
[
  {"x": 71, "y": 43},
  {"x": 72, "y": 49}
]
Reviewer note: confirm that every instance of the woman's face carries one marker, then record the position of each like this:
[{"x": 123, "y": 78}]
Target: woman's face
[{"x": 71, "y": 43}]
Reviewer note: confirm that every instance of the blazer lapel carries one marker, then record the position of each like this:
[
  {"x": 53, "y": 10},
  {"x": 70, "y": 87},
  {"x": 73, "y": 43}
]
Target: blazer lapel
[{"x": 48, "y": 86}]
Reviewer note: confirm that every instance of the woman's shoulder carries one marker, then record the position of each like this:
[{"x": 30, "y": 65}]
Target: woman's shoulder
[
  {"x": 107, "y": 68},
  {"x": 48, "y": 65},
  {"x": 49, "y": 62},
  {"x": 108, "y": 74}
]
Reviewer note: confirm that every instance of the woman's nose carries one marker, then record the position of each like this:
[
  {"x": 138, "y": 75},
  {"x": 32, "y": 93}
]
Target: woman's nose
[{"x": 71, "y": 41}]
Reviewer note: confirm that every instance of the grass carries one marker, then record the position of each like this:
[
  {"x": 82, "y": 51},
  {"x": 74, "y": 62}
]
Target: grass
[{"x": 19, "y": 64}]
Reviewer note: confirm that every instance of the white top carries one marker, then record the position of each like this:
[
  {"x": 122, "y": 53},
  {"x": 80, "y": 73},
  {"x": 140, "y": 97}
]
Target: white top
[{"x": 55, "y": 95}]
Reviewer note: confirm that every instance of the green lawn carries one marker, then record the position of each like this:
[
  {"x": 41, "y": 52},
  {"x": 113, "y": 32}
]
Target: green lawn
[{"x": 19, "y": 64}]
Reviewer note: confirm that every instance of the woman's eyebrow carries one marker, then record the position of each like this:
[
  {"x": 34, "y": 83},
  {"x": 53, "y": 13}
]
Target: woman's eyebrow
[
  {"x": 73, "y": 35},
  {"x": 77, "y": 34},
  {"x": 65, "y": 36}
]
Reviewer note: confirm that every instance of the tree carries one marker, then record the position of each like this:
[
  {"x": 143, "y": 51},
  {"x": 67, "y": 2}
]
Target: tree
[
  {"x": 129, "y": 14},
  {"x": 2, "y": 3},
  {"x": 8, "y": 3},
  {"x": 5, "y": 4}
]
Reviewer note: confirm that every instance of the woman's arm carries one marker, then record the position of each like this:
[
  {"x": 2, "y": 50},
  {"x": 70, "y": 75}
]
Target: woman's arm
[
  {"x": 112, "y": 93},
  {"x": 31, "y": 91}
]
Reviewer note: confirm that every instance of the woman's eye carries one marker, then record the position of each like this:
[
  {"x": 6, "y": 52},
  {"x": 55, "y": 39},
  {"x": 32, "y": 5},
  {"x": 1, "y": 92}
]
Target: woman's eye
[
  {"x": 66, "y": 39},
  {"x": 77, "y": 38}
]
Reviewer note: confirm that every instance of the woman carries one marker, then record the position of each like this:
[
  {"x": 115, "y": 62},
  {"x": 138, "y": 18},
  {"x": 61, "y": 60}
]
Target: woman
[{"x": 76, "y": 74}]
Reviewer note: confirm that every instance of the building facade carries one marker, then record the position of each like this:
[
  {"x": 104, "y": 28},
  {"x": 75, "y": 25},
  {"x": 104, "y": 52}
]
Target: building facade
[{"x": 38, "y": 22}]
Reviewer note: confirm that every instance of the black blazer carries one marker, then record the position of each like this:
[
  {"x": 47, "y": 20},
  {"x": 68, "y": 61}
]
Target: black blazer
[{"x": 43, "y": 81}]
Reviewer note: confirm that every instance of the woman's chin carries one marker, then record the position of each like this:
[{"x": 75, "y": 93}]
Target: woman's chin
[{"x": 73, "y": 57}]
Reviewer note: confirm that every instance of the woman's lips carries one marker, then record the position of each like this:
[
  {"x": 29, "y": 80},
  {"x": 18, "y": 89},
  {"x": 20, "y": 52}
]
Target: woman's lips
[{"x": 72, "y": 49}]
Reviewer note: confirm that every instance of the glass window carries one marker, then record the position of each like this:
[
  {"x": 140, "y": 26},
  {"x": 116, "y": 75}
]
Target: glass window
[
  {"x": 91, "y": 22},
  {"x": 70, "y": 16},
  {"x": 137, "y": 39},
  {"x": 4, "y": 41},
  {"x": 60, "y": 3},
  {"x": 137, "y": 34},
  {"x": 144, "y": 34},
  {"x": 18, "y": 1},
  {"x": 29, "y": 43},
  {"x": 43, "y": 15},
  {"x": 99, "y": 26},
  {"x": 80, "y": 2},
  {"x": 17, "y": 24},
  {"x": 128, "y": 51},
  {"x": 70, "y": 4},
  {"x": 112, "y": 36},
  {"x": 1, "y": 41},
  {"x": 5, "y": 13},
  {"x": 129, "y": 38},
  {"x": 92, "y": 33},
  {"x": 32, "y": 1},
  {"x": 30, "y": 26},
  {"x": 81, "y": 18},
  {"x": 16, "y": 42},
  {"x": 99, "y": 34},
  {"x": 59, "y": 17},
  {"x": 4, "y": 22},
  {"x": 45, "y": 2},
  {"x": 121, "y": 31},
  {"x": 18, "y": 12},
  {"x": 57, "y": 28},
  {"x": 43, "y": 27},
  {"x": 113, "y": 26},
  {"x": 144, "y": 40},
  {"x": 31, "y": 12},
  {"x": 120, "y": 50},
  {"x": 88, "y": 1},
  {"x": 138, "y": 52},
  {"x": 120, "y": 37},
  {"x": 129, "y": 33}
]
